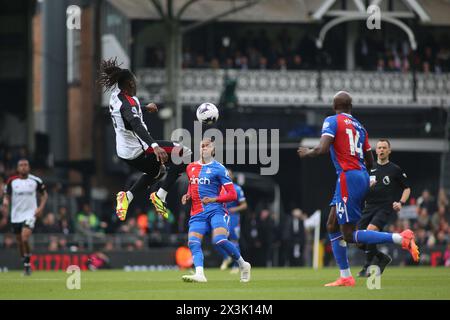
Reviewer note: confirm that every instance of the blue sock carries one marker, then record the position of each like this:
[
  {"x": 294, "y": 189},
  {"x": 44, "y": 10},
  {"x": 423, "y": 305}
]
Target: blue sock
[
  {"x": 222, "y": 252},
  {"x": 339, "y": 250},
  {"x": 222, "y": 242},
  {"x": 195, "y": 244},
  {"x": 372, "y": 237},
  {"x": 235, "y": 264}
]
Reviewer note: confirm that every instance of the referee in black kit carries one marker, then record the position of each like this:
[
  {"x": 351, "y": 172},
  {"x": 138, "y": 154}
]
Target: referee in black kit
[{"x": 386, "y": 179}]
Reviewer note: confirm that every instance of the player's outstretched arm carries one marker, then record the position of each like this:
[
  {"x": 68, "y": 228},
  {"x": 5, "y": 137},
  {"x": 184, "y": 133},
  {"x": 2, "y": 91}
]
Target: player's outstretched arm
[
  {"x": 322, "y": 148},
  {"x": 136, "y": 124},
  {"x": 129, "y": 113}
]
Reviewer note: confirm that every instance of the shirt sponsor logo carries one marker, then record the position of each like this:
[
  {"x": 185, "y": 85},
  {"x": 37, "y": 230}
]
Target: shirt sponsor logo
[
  {"x": 196, "y": 180},
  {"x": 24, "y": 193}
]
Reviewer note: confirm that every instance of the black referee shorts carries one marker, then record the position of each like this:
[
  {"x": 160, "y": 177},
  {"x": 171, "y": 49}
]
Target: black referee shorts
[{"x": 378, "y": 215}]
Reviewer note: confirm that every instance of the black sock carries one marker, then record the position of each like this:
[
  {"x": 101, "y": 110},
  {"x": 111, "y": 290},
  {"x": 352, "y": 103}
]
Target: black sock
[
  {"x": 142, "y": 184},
  {"x": 26, "y": 259},
  {"x": 380, "y": 255},
  {"x": 173, "y": 173},
  {"x": 371, "y": 251}
]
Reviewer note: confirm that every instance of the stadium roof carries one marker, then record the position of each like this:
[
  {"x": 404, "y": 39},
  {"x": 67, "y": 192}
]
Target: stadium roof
[{"x": 282, "y": 11}]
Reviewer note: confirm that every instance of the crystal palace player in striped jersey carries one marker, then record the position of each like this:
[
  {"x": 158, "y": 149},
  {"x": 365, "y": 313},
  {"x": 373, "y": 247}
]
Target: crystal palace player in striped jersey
[
  {"x": 348, "y": 143},
  {"x": 207, "y": 178},
  {"x": 134, "y": 144}
]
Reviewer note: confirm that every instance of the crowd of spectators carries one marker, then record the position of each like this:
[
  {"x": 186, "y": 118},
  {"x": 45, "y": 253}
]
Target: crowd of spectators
[
  {"x": 431, "y": 223},
  {"x": 257, "y": 51},
  {"x": 250, "y": 51},
  {"x": 397, "y": 56}
]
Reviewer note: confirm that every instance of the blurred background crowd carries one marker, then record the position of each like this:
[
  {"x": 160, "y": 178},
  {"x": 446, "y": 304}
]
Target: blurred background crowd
[{"x": 251, "y": 51}]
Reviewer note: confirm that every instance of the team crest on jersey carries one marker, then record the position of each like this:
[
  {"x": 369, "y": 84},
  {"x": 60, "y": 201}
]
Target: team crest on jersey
[{"x": 386, "y": 180}]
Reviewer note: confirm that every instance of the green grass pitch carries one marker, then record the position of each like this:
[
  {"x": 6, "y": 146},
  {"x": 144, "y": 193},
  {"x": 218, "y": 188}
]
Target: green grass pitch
[{"x": 270, "y": 283}]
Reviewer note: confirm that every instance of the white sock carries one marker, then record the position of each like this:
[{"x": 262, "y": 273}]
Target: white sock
[
  {"x": 240, "y": 261},
  {"x": 129, "y": 196},
  {"x": 162, "y": 194},
  {"x": 346, "y": 273},
  {"x": 199, "y": 271},
  {"x": 397, "y": 238}
]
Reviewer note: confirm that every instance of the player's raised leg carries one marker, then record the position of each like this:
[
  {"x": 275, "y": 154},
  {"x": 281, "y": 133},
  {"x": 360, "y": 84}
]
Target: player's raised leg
[
  {"x": 406, "y": 239},
  {"x": 371, "y": 251},
  {"x": 350, "y": 213},
  {"x": 124, "y": 198},
  {"x": 179, "y": 158}
]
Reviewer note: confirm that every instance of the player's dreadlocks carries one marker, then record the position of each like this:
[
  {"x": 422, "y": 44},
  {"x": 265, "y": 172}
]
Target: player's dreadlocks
[{"x": 111, "y": 74}]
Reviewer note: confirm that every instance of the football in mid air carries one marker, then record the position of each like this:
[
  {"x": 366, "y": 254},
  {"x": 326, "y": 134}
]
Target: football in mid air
[{"x": 207, "y": 113}]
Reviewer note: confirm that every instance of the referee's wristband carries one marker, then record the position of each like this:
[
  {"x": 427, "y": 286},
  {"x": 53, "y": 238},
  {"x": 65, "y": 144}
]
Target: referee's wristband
[{"x": 154, "y": 145}]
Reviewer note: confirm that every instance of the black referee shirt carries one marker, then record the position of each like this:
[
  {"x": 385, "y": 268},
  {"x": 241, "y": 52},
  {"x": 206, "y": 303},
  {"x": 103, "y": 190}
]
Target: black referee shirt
[{"x": 391, "y": 181}]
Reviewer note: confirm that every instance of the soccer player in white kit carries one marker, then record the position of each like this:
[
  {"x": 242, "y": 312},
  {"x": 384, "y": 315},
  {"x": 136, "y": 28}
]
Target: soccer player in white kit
[
  {"x": 134, "y": 145},
  {"x": 22, "y": 192}
]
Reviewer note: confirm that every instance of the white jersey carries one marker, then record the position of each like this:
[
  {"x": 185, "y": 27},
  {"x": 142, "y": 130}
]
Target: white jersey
[
  {"x": 128, "y": 145},
  {"x": 23, "y": 197}
]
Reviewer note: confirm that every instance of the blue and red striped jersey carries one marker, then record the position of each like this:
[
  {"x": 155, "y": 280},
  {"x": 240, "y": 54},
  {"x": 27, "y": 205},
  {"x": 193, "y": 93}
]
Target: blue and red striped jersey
[
  {"x": 350, "y": 142},
  {"x": 206, "y": 180}
]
